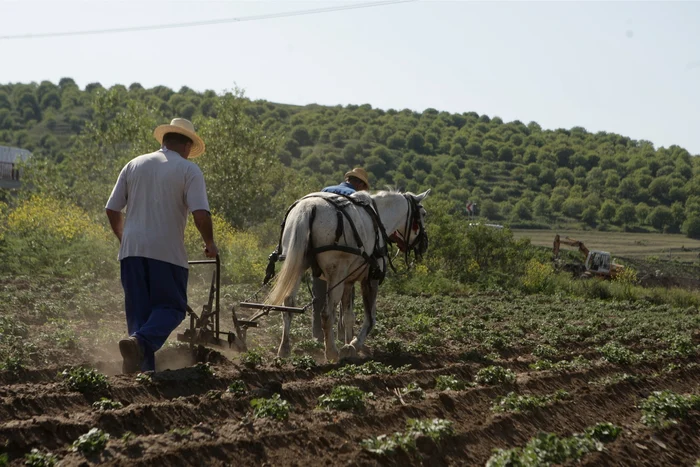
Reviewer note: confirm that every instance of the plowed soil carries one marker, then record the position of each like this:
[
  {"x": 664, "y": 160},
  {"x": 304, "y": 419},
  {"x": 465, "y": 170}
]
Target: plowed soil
[
  {"x": 186, "y": 417},
  {"x": 609, "y": 355}
]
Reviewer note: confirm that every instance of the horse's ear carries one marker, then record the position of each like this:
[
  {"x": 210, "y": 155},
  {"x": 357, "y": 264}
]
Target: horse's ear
[{"x": 423, "y": 195}]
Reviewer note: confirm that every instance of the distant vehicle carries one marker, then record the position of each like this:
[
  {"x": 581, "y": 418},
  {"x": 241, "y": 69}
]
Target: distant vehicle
[
  {"x": 598, "y": 263},
  {"x": 495, "y": 226}
]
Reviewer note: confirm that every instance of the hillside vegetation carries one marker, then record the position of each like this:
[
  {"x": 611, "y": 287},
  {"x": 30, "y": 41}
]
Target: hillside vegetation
[{"x": 517, "y": 173}]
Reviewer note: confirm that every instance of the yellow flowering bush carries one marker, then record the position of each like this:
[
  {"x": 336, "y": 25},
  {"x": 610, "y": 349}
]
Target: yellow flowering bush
[
  {"x": 539, "y": 277},
  {"x": 47, "y": 236},
  {"x": 242, "y": 258}
]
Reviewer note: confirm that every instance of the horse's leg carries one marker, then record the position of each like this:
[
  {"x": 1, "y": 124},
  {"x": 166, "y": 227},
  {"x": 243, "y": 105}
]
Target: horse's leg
[
  {"x": 327, "y": 318},
  {"x": 285, "y": 349},
  {"x": 369, "y": 298},
  {"x": 341, "y": 317},
  {"x": 347, "y": 313},
  {"x": 319, "y": 291}
]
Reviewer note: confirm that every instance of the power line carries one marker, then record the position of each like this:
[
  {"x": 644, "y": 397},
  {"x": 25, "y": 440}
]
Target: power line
[{"x": 206, "y": 22}]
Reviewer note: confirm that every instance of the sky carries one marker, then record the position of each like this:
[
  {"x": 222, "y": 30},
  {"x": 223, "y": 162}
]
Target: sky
[{"x": 626, "y": 67}]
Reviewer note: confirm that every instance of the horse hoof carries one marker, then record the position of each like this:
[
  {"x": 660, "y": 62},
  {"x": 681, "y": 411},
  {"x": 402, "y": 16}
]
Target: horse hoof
[{"x": 348, "y": 351}]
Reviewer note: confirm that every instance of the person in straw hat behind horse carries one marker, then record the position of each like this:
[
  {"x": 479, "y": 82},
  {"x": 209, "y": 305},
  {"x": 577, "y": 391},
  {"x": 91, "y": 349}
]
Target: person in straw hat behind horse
[
  {"x": 355, "y": 180},
  {"x": 158, "y": 190}
]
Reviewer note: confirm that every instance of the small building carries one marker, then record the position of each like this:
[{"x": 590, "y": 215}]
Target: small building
[{"x": 10, "y": 173}]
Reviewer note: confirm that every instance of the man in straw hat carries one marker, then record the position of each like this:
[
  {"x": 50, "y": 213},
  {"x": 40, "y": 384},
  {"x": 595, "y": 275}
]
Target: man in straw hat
[
  {"x": 355, "y": 180},
  {"x": 158, "y": 190}
]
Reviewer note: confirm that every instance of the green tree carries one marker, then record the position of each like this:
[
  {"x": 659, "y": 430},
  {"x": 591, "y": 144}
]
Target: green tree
[
  {"x": 239, "y": 154},
  {"x": 626, "y": 214},
  {"x": 608, "y": 210},
  {"x": 523, "y": 210},
  {"x": 573, "y": 207},
  {"x": 691, "y": 226},
  {"x": 542, "y": 207},
  {"x": 642, "y": 211},
  {"x": 415, "y": 141},
  {"x": 661, "y": 217},
  {"x": 590, "y": 216}
]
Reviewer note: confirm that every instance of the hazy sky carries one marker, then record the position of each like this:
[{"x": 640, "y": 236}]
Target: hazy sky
[{"x": 626, "y": 67}]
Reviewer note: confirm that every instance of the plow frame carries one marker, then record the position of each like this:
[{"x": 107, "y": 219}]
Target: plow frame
[{"x": 205, "y": 329}]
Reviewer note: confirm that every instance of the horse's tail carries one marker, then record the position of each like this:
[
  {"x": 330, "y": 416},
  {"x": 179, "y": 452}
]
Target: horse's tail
[{"x": 294, "y": 247}]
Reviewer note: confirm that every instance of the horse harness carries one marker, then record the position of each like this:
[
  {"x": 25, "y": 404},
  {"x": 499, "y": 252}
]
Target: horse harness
[{"x": 340, "y": 203}]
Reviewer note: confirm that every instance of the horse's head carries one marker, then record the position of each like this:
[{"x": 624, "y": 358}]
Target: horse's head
[{"x": 413, "y": 236}]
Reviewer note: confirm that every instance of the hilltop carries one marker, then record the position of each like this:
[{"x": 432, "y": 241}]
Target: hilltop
[{"x": 516, "y": 173}]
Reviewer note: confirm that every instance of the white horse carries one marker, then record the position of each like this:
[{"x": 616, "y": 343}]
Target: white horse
[{"x": 311, "y": 234}]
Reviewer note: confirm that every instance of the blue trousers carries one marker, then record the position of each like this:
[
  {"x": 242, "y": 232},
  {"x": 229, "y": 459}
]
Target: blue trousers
[{"x": 155, "y": 296}]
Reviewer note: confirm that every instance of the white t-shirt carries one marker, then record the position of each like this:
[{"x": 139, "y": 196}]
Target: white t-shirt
[{"x": 158, "y": 190}]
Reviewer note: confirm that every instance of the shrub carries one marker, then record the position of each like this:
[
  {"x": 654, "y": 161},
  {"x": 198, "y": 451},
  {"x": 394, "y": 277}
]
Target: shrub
[
  {"x": 106, "y": 404},
  {"x": 343, "y": 397},
  {"x": 304, "y": 362},
  {"x": 368, "y": 368},
  {"x": 92, "y": 442},
  {"x": 495, "y": 375},
  {"x": 449, "y": 383},
  {"x": 45, "y": 236},
  {"x": 252, "y": 359},
  {"x": 37, "y": 458},
  {"x": 539, "y": 277},
  {"x": 273, "y": 407},
  {"x": 615, "y": 353},
  {"x": 237, "y": 387},
  {"x": 663, "y": 408},
  {"x": 548, "y": 448},
  {"x": 242, "y": 258},
  {"x": 521, "y": 403},
  {"x": 85, "y": 380},
  {"x": 435, "y": 429}
]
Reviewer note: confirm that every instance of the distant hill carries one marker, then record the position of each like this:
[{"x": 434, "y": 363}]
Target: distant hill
[{"x": 517, "y": 173}]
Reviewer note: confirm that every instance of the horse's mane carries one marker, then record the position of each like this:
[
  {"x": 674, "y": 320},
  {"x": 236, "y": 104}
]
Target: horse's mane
[{"x": 390, "y": 190}]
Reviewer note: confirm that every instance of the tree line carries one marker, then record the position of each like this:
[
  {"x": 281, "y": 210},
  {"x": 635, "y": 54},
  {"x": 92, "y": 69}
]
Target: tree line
[{"x": 263, "y": 154}]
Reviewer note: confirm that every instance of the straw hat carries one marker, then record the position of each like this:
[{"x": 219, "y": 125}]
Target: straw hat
[
  {"x": 183, "y": 127},
  {"x": 360, "y": 173}
]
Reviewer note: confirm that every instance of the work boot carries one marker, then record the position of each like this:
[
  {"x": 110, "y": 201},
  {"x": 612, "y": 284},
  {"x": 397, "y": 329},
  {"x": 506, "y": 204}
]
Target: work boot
[{"x": 132, "y": 354}]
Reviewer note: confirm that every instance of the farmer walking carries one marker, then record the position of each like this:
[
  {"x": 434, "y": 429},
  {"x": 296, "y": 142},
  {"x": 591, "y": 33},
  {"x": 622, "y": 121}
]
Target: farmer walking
[
  {"x": 355, "y": 180},
  {"x": 158, "y": 190}
]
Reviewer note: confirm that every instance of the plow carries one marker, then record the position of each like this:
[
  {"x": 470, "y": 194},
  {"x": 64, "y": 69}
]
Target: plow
[{"x": 205, "y": 327}]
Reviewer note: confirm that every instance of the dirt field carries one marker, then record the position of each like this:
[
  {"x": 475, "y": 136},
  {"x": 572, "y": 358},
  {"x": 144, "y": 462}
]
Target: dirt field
[{"x": 607, "y": 357}]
